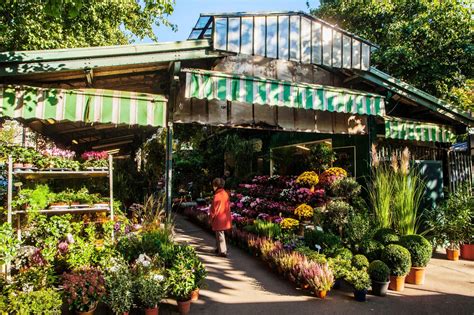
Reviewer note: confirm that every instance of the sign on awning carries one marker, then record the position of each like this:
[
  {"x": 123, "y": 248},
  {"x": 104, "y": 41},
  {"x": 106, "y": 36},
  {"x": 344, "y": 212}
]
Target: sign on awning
[
  {"x": 85, "y": 105},
  {"x": 403, "y": 129},
  {"x": 213, "y": 85}
]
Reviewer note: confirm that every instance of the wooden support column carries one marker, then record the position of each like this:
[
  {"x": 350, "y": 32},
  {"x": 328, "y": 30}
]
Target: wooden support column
[{"x": 175, "y": 68}]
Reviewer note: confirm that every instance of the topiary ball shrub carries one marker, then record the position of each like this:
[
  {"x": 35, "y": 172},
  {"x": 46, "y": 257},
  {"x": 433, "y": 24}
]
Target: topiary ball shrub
[
  {"x": 379, "y": 271},
  {"x": 343, "y": 253},
  {"x": 419, "y": 247},
  {"x": 371, "y": 249},
  {"x": 397, "y": 259},
  {"x": 386, "y": 236},
  {"x": 360, "y": 262}
]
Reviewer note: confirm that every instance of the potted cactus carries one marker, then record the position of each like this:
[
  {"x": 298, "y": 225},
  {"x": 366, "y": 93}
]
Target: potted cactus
[
  {"x": 398, "y": 260},
  {"x": 420, "y": 252},
  {"x": 379, "y": 274}
]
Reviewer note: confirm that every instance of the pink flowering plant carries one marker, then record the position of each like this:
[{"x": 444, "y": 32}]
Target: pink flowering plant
[
  {"x": 83, "y": 289},
  {"x": 95, "y": 159}
]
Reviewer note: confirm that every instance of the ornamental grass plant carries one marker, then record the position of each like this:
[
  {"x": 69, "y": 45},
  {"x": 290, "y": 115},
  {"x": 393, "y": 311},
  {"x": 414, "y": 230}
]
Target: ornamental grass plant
[{"x": 380, "y": 191}]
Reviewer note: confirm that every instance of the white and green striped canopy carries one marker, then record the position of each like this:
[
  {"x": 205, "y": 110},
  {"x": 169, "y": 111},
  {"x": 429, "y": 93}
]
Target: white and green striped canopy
[
  {"x": 403, "y": 129},
  {"x": 86, "y": 105},
  {"x": 203, "y": 84}
]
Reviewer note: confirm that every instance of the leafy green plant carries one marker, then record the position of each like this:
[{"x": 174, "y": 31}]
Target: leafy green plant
[
  {"x": 386, "y": 236},
  {"x": 346, "y": 187},
  {"x": 264, "y": 228},
  {"x": 419, "y": 247},
  {"x": 150, "y": 288},
  {"x": 343, "y": 253},
  {"x": 312, "y": 255},
  {"x": 397, "y": 259},
  {"x": 337, "y": 214},
  {"x": 8, "y": 243},
  {"x": 360, "y": 262},
  {"x": 339, "y": 266},
  {"x": 33, "y": 199},
  {"x": 328, "y": 242},
  {"x": 321, "y": 157},
  {"x": 379, "y": 271},
  {"x": 371, "y": 249},
  {"x": 43, "y": 301},
  {"x": 357, "y": 228},
  {"x": 181, "y": 281},
  {"x": 359, "y": 279}
]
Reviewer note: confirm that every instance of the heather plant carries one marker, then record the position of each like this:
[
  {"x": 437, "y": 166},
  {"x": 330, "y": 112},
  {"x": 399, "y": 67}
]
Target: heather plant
[{"x": 318, "y": 277}]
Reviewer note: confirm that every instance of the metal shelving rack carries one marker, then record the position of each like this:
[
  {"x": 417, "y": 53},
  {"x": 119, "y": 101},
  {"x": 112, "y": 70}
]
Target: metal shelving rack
[{"x": 64, "y": 175}]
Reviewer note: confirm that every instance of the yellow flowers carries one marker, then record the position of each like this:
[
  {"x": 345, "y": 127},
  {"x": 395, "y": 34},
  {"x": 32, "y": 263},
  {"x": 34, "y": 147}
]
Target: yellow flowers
[
  {"x": 304, "y": 211},
  {"x": 289, "y": 224},
  {"x": 307, "y": 179}
]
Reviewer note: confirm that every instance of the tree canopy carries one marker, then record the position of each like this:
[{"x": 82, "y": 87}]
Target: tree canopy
[
  {"x": 427, "y": 43},
  {"x": 46, "y": 24}
]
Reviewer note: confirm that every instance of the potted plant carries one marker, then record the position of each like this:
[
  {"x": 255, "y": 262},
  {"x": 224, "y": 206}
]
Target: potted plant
[
  {"x": 94, "y": 160},
  {"x": 340, "y": 267},
  {"x": 9, "y": 243},
  {"x": 150, "y": 289},
  {"x": 181, "y": 282},
  {"x": 379, "y": 274},
  {"x": 319, "y": 278},
  {"x": 398, "y": 260},
  {"x": 200, "y": 275},
  {"x": 83, "y": 290},
  {"x": 42, "y": 301},
  {"x": 119, "y": 286},
  {"x": 360, "y": 281},
  {"x": 360, "y": 262},
  {"x": 420, "y": 252}
]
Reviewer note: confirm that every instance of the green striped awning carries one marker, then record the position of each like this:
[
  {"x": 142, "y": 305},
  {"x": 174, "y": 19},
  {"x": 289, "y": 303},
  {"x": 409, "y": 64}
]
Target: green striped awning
[
  {"x": 396, "y": 128},
  {"x": 86, "y": 105},
  {"x": 203, "y": 84}
]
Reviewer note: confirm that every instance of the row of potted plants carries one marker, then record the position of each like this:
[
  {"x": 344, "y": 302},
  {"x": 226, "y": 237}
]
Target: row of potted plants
[
  {"x": 29, "y": 158},
  {"x": 41, "y": 197}
]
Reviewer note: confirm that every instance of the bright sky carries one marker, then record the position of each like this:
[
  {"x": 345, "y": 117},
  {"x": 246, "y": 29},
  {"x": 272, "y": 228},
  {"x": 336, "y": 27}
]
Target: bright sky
[{"x": 186, "y": 13}]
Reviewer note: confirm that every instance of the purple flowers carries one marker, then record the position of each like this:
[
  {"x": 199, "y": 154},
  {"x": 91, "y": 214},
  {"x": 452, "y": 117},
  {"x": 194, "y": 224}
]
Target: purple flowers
[
  {"x": 63, "y": 248},
  {"x": 59, "y": 153}
]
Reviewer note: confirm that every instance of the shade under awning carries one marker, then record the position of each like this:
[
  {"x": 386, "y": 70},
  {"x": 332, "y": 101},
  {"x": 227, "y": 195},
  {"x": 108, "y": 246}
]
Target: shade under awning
[
  {"x": 203, "y": 84},
  {"x": 85, "y": 105},
  {"x": 403, "y": 129}
]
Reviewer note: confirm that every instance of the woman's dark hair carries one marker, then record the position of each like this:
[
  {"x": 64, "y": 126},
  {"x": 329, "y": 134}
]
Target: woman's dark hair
[{"x": 218, "y": 182}]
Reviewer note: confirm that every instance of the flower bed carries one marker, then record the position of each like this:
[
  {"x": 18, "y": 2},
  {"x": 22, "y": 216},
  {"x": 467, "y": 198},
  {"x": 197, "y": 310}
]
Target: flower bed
[
  {"x": 337, "y": 244},
  {"x": 67, "y": 258}
]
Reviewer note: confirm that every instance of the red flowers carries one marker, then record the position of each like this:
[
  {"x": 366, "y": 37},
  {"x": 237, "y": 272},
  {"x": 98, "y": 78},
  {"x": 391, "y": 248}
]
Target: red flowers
[
  {"x": 94, "y": 155},
  {"x": 83, "y": 288}
]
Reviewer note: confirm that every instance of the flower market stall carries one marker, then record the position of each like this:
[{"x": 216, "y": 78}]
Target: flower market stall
[{"x": 306, "y": 84}]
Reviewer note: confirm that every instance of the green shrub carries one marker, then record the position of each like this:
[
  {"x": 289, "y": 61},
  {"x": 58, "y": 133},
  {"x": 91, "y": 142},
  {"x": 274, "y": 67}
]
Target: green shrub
[
  {"x": 386, "y": 236},
  {"x": 379, "y": 271},
  {"x": 130, "y": 247},
  {"x": 419, "y": 247},
  {"x": 359, "y": 279},
  {"x": 346, "y": 187},
  {"x": 343, "y": 253},
  {"x": 371, "y": 249},
  {"x": 44, "y": 301},
  {"x": 340, "y": 267},
  {"x": 397, "y": 259},
  {"x": 329, "y": 242},
  {"x": 357, "y": 228},
  {"x": 312, "y": 255},
  {"x": 360, "y": 262}
]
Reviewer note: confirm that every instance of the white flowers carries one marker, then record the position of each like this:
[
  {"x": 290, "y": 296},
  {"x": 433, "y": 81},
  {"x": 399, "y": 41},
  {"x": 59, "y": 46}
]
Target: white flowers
[
  {"x": 144, "y": 260},
  {"x": 158, "y": 277}
]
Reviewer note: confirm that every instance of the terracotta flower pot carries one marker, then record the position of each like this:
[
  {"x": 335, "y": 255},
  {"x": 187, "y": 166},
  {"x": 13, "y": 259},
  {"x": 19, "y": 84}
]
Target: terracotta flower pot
[
  {"x": 152, "y": 311},
  {"x": 184, "y": 307},
  {"x": 17, "y": 165},
  {"x": 125, "y": 313},
  {"x": 379, "y": 288},
  {"x": 397, "y": 283},
  {"x": 321, "y": 294},
  {"x": 452, "y": 254},
  {"x": 467, "y": 251},
  {"x": 195, "y": 295},
  {"x": 416, "y": 276},
  {"x": 90, "y": 312}
]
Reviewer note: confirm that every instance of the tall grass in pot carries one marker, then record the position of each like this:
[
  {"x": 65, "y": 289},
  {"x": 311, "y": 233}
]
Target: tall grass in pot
[
  {"x": 380, "y": 191},
  {"x": 408, "y": 193}
]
